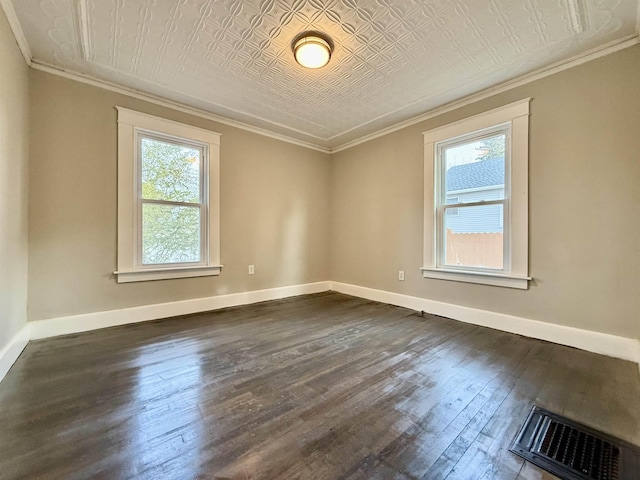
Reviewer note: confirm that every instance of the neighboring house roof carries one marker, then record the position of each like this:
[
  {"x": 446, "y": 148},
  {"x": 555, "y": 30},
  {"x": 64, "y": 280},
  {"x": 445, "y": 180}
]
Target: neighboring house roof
[{"x": 484, "y": 173}]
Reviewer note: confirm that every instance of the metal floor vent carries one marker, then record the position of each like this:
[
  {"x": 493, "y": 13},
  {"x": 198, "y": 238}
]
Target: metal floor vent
[{"x": 573, "y": 451}]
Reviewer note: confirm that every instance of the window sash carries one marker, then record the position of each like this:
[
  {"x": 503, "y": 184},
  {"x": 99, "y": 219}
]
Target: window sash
[
  {"x": 141, "y": 134},
  {"x": 442, "y": 243},
  {"x": 453, "y": 211},
  {"x": 441, "y": 206}
]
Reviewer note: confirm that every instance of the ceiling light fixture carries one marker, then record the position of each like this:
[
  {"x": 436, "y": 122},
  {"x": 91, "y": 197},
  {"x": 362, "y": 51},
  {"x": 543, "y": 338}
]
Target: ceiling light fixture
[{"x": 312, "y": 50}]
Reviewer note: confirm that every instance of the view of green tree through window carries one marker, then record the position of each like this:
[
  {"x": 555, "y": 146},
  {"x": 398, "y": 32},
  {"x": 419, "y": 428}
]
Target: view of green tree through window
[{"x": 171, "y": 201}]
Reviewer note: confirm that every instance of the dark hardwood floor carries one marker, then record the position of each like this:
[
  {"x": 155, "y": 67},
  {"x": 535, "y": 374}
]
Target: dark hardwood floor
[{"x": 322, "y": 386}]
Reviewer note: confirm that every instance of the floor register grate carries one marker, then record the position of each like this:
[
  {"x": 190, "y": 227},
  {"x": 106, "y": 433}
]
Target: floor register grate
[{"x": 573, "y": 451}]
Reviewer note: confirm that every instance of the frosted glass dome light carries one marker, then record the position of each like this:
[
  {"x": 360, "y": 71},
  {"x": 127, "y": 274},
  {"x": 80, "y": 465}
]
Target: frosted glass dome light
[{"x": 312, "y": 51}]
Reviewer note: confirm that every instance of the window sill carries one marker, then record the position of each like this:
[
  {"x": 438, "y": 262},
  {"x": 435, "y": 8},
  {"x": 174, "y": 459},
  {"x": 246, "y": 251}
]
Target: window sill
[
  {"x": 485, "y": 278},
  {"x": 167, "y": 273}
]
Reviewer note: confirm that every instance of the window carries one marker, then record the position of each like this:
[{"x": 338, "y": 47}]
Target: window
[
  {"x": 168, "y": 199},
  {"x": 476, "y": 205},
  {"x": 473, "y": 167},
  {"x": 453, "y": 211}
]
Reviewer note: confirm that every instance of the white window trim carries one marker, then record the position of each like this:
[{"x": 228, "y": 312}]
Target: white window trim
[
  {"x": 517, "y": 114},
  {"x": 457, "y": 202},
  {"x": 129, "y": 270}
]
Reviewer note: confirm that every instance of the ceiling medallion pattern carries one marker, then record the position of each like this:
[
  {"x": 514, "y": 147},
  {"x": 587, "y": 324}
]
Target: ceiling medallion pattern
[{"x": 392, "y": 59}]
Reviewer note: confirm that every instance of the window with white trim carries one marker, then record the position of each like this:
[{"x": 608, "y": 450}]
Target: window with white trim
[
  {"x": 476, "y": 199},
  {"x": 168, "y": 199},
  {"x": 452, "y": 211}
]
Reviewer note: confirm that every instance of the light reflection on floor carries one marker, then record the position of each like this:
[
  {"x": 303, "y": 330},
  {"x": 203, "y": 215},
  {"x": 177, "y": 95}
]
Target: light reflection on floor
[{"x": 168, "y": 426}]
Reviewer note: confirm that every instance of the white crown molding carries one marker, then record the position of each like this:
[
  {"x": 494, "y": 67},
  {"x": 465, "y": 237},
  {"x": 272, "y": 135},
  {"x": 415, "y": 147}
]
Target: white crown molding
[
  {"x": 195, "y": 98},
  {"x": 111, "y": 318},
  {"x": 602, "y": 343},
  {"x": 16, "y": 28},
  {"x": 598, "y": 52},
  {"x": 558, "y": 67},
  {"x": 12, "y": 350},
  {"x": 83, "y": 33},
  {"x": 163, "y": 102}
]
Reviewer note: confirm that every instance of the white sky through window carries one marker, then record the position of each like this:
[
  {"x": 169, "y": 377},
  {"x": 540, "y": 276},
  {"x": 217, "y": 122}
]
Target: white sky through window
[{"x": 463, "y": 154}]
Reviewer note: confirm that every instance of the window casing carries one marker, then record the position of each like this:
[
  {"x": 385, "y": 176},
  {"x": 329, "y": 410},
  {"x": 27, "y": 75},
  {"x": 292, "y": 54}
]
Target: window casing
[
  {"x": 496, "y": 213},
  {"x": 168, "y": 199}
]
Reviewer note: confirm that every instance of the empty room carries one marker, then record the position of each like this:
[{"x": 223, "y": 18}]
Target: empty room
[{"x": 320, "y": 239}]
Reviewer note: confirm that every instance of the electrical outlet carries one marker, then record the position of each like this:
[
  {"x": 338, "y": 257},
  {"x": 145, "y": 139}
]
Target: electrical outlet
[
  {"x": 401, "y": 275},
  {"x": 252, "y": 269}
]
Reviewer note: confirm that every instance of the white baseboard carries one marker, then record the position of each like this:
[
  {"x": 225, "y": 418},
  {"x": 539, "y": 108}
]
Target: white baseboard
[
  {"x": 10, "y": 353},
  {"x": 603, "y": 343},
  {"x": 93, "y": 321}
]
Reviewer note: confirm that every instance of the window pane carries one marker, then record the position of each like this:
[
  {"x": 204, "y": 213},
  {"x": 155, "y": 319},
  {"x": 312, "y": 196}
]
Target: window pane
[
  {"x": 169, "y": 171},
  {"x": 450, "y": 201},
  {"x": 170, "y": 234},
  {"x": 474, "y": 237},
  {"x": 475, "y": 170}
]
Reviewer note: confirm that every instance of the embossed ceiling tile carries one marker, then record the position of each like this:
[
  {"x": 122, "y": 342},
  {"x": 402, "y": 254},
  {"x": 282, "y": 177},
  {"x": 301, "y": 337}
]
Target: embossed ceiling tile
[
  {"x": 392, "y": 58},
  {"x": 609, "y": 19},
  {"x": 43, "y": 23},
  {"x": 103, "y": 34}
]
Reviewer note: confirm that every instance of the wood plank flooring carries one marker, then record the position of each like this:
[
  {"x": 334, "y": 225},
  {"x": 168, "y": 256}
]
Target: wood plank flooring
[{"x": 321, "y": 386}]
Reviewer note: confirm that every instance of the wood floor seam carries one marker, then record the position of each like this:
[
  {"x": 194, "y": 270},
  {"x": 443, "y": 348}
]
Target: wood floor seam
[{"x": 321, "y": 387}]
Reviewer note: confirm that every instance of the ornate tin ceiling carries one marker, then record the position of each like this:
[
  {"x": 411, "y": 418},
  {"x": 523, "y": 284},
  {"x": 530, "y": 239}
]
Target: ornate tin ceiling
[{"x": 393, "y": 59}]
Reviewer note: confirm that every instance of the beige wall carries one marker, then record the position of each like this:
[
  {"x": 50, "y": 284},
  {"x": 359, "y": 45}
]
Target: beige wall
[
  {"x": 274, "y": 207},
  {"x": 14, "y": 125},
  {"x": 584, "y": 213},
  {"x": 290, "y": 210}
]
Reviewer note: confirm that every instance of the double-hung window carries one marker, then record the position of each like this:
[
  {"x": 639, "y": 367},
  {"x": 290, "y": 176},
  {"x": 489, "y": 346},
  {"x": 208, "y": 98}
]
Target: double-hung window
[
  {"x": 476, "y": 219},
  {"x": 168, "y": 199}
]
